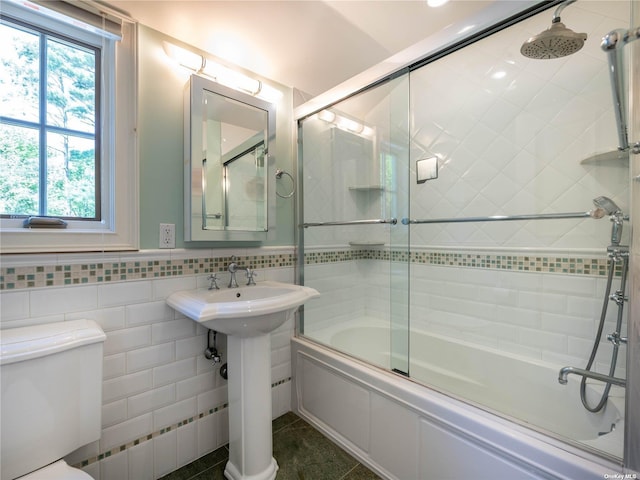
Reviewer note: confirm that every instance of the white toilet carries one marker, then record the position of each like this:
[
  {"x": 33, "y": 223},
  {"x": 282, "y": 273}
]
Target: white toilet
[{"x": 50, "y": 397}]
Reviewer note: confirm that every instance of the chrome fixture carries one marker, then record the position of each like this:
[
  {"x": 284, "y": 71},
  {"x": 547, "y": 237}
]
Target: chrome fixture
[
  {"x": 617, "y": 253},
  {"x": 555, "y": 42},
  {"x": 391, "y": 221},
  {"x": 596, "y": 213},
  {"x": 211, "y": 352},
  {"x": 612, "y": 44},
  {"x": 565, "y": 371},
  {"x": 213, "y": 281},
  {"x": 279, "y": 174},
  {"x": 617, "y": 217},
  {"x": 234, "y": 267}
]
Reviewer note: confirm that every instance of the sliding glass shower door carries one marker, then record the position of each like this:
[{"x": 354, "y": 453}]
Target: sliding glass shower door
[{"x": 354, "y": 171}]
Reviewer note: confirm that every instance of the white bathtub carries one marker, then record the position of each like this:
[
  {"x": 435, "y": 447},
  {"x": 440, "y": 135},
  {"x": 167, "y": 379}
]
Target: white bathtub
[{"x": 542, "y": 430}]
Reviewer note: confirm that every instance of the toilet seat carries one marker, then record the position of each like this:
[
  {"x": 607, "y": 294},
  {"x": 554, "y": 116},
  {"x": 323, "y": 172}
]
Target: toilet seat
[{"x": 57, "y": 471}]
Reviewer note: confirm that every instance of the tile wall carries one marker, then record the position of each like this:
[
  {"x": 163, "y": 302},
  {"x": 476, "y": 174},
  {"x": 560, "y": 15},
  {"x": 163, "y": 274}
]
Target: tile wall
[
  {"x": 543, "y": 308},
  {"x": 164, "y": 404}
]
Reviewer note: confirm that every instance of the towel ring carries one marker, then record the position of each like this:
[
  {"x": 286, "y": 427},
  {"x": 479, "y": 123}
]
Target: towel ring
[{"x": 279, "y": 174}]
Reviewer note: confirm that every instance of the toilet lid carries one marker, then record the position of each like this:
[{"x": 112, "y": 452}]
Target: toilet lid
[{"x": 57, "y": 471}]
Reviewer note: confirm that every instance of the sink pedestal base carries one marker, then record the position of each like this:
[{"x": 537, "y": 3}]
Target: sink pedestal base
[{"x": 249, "y": 386}]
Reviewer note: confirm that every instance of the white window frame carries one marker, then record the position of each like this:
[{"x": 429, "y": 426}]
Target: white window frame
[{"x": 119, "y": 227}]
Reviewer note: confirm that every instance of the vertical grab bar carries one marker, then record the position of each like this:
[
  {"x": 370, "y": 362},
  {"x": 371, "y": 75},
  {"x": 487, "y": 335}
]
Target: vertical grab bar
[{"x": 612, "y": 44}]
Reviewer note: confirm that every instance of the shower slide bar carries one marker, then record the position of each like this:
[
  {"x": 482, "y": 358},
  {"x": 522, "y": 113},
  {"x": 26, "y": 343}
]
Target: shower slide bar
[
  {"x": 501, "y": 218},
  {"x": 391, "y": 221},
  {"x": 612, "y": 44}
]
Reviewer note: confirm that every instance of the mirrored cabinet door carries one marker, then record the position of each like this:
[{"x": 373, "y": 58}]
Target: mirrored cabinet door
[{"x": 229, "y": 171}]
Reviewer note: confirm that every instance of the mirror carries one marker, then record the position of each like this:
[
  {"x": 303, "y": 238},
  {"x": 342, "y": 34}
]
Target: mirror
[{"x": 229, "y": 170}]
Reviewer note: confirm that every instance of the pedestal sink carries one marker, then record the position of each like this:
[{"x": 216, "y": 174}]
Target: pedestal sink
[{"x": 246, "y": 315}]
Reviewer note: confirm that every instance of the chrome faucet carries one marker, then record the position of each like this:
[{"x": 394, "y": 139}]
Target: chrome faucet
[
  {"x": 565, "y": 371},
  {"x": 234, "y": 267}
]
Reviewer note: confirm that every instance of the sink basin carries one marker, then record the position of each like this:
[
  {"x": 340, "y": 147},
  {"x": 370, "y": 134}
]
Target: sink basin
[{"x": 245, "y": 311}]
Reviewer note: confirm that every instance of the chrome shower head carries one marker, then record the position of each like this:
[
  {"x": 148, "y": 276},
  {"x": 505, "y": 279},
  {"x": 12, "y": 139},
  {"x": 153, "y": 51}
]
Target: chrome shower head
[
  {"x": 555, "y": 42},
  {"x": 607, "y": 205}
]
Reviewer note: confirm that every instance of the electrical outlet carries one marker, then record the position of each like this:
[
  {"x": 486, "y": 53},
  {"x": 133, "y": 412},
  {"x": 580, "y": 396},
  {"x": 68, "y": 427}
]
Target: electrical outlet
[{"x": 167, "y": 235}]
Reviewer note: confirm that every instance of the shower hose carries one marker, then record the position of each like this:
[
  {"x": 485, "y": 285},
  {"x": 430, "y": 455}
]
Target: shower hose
[{"x": 615, "y": 257}]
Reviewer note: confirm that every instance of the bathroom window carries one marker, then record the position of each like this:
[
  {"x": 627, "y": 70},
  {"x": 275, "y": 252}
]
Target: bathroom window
[
  {"x": 66, "y": 139},
  {"x": 48, "y": 136}
]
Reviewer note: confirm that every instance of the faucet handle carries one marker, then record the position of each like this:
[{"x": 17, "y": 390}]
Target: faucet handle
[
  {"x": 213, "y": 281},
  {"x": 250, "y": 275}
]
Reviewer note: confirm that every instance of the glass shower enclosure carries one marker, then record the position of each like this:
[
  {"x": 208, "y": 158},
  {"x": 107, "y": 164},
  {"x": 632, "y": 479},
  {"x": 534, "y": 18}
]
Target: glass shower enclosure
[{"x": 452, "y": 217}]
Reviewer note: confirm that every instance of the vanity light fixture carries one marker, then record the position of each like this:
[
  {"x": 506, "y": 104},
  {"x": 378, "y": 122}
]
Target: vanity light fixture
[
  {"x": 221, "y": 74},
  {"x": 183, "y": 57}
]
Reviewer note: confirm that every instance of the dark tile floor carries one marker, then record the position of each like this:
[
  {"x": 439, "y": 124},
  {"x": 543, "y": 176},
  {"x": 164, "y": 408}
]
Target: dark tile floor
[{"x": 301, "y": 451}]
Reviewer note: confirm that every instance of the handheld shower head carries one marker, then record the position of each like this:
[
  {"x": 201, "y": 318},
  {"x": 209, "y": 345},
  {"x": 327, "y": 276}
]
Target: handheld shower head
[
  {"x": 555, "y": 42},
  {"x": 606, "y": 204}
]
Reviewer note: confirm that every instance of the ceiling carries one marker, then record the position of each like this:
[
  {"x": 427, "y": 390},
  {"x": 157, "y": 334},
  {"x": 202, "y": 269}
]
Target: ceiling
[{"x": 312, "y": 45}]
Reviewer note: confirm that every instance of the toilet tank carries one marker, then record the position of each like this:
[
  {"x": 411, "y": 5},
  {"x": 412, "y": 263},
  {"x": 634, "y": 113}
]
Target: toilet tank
[{"x": 50, "y": 393}]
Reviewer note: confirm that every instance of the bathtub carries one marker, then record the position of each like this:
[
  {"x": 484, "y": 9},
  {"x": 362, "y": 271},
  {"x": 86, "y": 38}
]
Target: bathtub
[{"x": 516, "y": 421}]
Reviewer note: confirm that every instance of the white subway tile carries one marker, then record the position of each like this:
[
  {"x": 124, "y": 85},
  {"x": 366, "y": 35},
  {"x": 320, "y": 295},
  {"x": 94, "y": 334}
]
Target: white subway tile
[
  {"x": 148, "y": 312},
  {"x": 107, "y": 318},
  {"x": 191, "y": 346},
  {"x": 165, "y": 453},
  {"x": 281, "y": 372},
  {"x": 141, "y": 460},
  {"x": 280, "y": 356},
  {"x": 570, "y": 284},
  {"x": 174, "y": 371},
  {"x": 173, "y": 330},
  {"x": 149, "y": 357},
  {"x": 124, "y": 293},
  {"x": 586, "y": 307},
  {"x": 207, "y": 434},
  {"x": 126, "y": 432},
  {"x": 63, "y": 300},
  {"x": 280, "y": 399},
  {"x": 151, "y": 400},
  {"x": 518, "y": 316},
  {"x": 179, "y": 411},
  {"x": 13, "y": 306},
  {"x": 115, "y": 467},
  {"x": 195, "y": 385},
  {"x": 114, "y": 413},
  {"x": 127, "y": 339},
  {"x": 568, "y": 325},
  {"x": 114, "y": 365},
  {"x": 162, "y": 288},
  {"x": 544, "y": 340},
  {"x": 212, "y": 399},
  {"x": 544, "y": 302},
  {"x": 126, "y": 385},
  {"x": 222, "y": 426},
  {"x": 187, "y": 443}
]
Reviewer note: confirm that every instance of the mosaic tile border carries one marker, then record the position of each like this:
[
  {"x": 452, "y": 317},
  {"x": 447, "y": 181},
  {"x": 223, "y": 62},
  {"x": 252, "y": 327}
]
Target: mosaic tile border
[
  {"x": 593, "y": 266},
  {"x": 162, "y": 431},
  {"x": 16, "y": 278}
]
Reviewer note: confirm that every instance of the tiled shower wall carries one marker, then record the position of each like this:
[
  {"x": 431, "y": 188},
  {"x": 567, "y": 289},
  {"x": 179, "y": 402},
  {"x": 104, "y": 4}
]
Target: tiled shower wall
[
  {"x": 544, "y": 308},
  {"x": 164, "y": 404}
]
